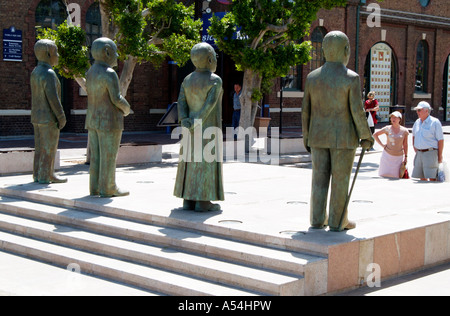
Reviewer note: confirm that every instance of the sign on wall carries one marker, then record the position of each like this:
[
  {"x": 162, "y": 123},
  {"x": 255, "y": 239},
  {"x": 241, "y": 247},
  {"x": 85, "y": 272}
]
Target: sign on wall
[
  {"x": 12, "y": 44},
  {"x": 380, "y": 78}
]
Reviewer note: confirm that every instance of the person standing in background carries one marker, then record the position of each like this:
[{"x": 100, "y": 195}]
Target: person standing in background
[
  {"x": 428, "y": 141},
  {"x": 371, "y": 107},
  {"x": 236, "y": 108}
]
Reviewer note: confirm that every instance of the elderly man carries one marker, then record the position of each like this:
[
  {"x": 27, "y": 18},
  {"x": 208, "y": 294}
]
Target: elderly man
[
  {"x": 428, "y": 141},
  {"x": 333, "y": 122}
]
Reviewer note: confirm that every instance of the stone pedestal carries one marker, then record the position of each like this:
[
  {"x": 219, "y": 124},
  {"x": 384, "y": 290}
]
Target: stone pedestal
[{"x": 20, "y": 160}]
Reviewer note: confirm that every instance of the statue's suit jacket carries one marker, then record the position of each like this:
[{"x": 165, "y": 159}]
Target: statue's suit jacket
[
  {"x": 46, "y": 95},
  {"x": 332, "y": 109},
  {"x": 106, "y": 106}
]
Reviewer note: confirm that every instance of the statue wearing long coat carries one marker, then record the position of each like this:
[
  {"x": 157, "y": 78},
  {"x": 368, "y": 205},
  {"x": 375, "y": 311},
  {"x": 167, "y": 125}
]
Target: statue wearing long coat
[{"x": 199, "y": 175}]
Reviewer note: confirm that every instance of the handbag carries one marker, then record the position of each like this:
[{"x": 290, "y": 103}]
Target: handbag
[
  {"x": 443, "y": 172},
  {"x": 370, "y": 120},
  {"x": 404, "y": 171}
]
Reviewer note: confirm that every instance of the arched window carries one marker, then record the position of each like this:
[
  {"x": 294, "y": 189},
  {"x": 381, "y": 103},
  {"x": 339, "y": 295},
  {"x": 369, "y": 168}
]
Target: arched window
[
  {"x": 421, "y": 66},
  {"x": 50, "y": 14},
  {"x": 316, "y": 53},
  {"x": 446, "y": 89},
  {"x": 93, "y": 24},
  {"x": 380, "y": 76}
]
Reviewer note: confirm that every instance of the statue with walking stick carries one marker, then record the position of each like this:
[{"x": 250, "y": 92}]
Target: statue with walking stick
[{"x": 333, "y": 123}]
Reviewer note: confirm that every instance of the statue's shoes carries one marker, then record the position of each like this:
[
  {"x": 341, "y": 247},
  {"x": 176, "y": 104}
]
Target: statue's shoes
[
  {"x": 53, "y": 179},
  {"x": 118, "y": 192},
  {"x": 58, "y": 180},
  {"x": 203, "y": 206},
  {"x": 350, "y": 225},
  {"x": 188, "y": 205}
]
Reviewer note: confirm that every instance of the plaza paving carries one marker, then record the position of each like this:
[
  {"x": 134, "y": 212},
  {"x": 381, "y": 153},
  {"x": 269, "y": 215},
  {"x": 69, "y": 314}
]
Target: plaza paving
[{"x": 263, "y": 202}]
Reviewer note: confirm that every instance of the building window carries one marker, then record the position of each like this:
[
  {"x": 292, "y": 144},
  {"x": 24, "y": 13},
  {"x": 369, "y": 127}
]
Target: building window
[
  {"x": 317, "y": 58},
  {"x": 50, "y": 14},
  {"x": 380, "y": 76},
  {"x": 421, "y": 67},
  {"x": 93, "y": 25},
  {"x": 292, "y": 82}
]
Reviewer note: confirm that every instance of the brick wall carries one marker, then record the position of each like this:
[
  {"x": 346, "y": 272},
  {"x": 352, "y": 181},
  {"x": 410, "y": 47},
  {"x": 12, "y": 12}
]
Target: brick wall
[{"x": 155, "y": 88}]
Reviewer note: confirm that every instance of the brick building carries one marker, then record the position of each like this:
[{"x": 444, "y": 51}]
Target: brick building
[{"x": 401, "y": 50}]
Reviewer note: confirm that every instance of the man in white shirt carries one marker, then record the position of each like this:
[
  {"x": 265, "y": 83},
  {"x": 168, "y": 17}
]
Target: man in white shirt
[{"x": 428, "y": 141}]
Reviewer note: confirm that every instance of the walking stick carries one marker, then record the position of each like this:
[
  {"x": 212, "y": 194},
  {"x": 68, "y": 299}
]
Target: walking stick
[{"x": 345, "y": 212}]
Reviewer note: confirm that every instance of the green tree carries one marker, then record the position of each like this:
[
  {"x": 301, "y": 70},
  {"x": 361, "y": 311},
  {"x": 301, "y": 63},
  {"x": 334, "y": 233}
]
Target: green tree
[
  {"x": 262, "y": 37},
  {"x": 144, "y": 31}
]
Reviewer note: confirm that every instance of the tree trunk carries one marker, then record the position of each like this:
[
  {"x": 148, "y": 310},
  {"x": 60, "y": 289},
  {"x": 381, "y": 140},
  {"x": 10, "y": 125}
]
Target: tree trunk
[
  {"x": 108, "y": 30},
  {"x": 252, "y": 81},
  {"x": 82, "y": 82},
  {"x": 127, "y": 74}
]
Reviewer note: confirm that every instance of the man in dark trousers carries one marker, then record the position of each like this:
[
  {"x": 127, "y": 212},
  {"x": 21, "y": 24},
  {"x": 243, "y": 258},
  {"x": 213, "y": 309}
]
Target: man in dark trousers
[{"x": 333, "y": 122}]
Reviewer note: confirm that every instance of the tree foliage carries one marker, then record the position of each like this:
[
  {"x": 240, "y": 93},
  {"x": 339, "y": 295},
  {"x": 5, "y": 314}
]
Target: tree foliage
[
  {"x": 270, "y": 34},
  {"x": 73, "y": 54},
  {"x": 151, "y": 30},
  {"x": 144, "y": 31}
]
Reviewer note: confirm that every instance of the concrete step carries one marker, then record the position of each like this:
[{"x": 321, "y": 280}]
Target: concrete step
[
  {"x": 201, "y": 242},
  {"x": 21, "y": 276},
  {"x": 118, "y": 270},
  {"x": 184, "y": 251},
  {"x": 129, "y": 213},
  {"x": 169, "y": 259}
]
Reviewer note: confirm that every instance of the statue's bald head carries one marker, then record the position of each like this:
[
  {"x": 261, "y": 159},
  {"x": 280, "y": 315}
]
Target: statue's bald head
[
  {"x": 43, "y": 48},
  {"x": 203, "y": 56},
  {"x": 336, "y": 47},
  {"x": 104, "y": 49}
]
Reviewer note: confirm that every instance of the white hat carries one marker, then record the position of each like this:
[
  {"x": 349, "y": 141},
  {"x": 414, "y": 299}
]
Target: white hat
[
  {"x": 397, "y": 114},
  {"x": 423, "y": 105}
]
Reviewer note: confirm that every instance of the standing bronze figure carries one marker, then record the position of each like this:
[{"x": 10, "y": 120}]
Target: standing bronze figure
[
  {"x": 104, "y": 118},
  {"x": 199, "y": 176},
  {"x": 47, "y": 113},
  {"x": 333, "y": 122}
]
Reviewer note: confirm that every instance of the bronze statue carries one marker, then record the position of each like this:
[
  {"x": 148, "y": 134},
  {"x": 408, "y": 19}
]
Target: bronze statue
[
  {"x": 47, "y": 113},
  {"x": 199, "y": 178},
  {"x": 333, "y": 122},
  {"x": 104, "y": 118}
]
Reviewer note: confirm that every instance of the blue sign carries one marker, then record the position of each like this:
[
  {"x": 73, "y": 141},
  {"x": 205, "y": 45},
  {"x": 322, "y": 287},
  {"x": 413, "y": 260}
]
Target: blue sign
[
  {"x": 207, "y": 23},
  {"x": 12, "y": 44}
]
